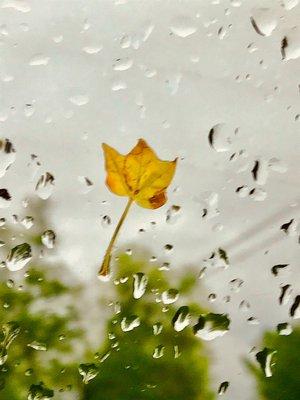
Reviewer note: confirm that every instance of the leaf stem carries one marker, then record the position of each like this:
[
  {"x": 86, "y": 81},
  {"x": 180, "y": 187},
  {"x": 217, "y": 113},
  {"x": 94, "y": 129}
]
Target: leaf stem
[{"x": 104, "y": 270}]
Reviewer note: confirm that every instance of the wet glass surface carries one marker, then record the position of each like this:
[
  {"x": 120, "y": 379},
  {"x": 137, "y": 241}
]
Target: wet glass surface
[{"x": 197, "y": 103}]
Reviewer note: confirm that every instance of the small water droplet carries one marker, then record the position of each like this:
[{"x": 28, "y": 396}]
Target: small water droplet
[
  {"x": 157, "y": 328},
  {"x": 170, "y": 296},
  {"x": 37, "y": 346},
  {"x": 79, "y": 99},
  {"x": 223, "y": 387},
  {"x": 48, "y": 238},
  {"x": 27, "y": 222},
  {"x": 159, "y": 351}
]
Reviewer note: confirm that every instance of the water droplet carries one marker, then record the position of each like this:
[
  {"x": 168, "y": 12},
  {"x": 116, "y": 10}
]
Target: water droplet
[
  {"x": 3, "y": 354},
  {"x": 140, "y": 281},
  {"x": 10, "y": 283},
  {"x": 265, "y": 360},
  {"x": 118, "y": 85},
  {"x": 211, "y": 326},
  {"x": 168, "y": 247},
  {"x": 290, "y": 227},
  {"x": 37, "y": 346},
  {"x": 40, "y": 392},
  {"x": 177, "y": 353},
  {"x": 263, "y": 21},
  {"x": 19, "y": 5},
  {"x": 276, "y": 268},
  {"x": 183, "y": 27},
  {"x": 158, "y": 351},
  {"x": 290, "y": 46},
  {"x": 88, "y": 372},
  {"x": 29, "y": 372},
  {"x": 122, "y": 64},
  {"x": 244, "y": 305},
  {"x": 5, "y": 198},
  {"x": 157, "y": 328},
  {"x": 181, "y": 319},
  {"x": 29, "y": 110},
  {"x": 295, "y": 308},
  {"x": 277, "y": 165},
  {"x": 173, "y": 214},
  {"x": 130, "y": 323},
  {"x": 236, "y": 284},
  {"x": 290, "y": 4},
  {"x": 170, "y": 296},
  {"x": 223, "y": 387},
  {"x": 285, "y": 295},
  {"x": 92, "y": 49},
  {"x": 284, "y": 329},
  {"x": 173, "y": 82},
  {"x": 39, "y": 59},
  {"x": 18, "y": 257},
  {"x": 212, "y": 297},
  {"x": 48, "y": 238},
  {"x": 260, "y": 172},
  {"x": 220, "y": 137},
  {"x": 45, "y": 186},
  {"x": 8, "y": 155},
  {"x": 27, "y": 222},
  {"x": 79, "y": 99}
]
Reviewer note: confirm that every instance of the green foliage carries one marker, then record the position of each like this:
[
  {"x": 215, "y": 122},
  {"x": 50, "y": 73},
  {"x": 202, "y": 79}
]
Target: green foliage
[
  {"x": 25, "y": 365},
  {"x": 284, "y": 383},
  {"x": 130, "y": 371}
]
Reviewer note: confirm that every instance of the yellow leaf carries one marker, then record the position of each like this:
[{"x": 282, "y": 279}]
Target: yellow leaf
[
  {"x": 142, "y": 177},
  {"x": 140, "y": 174}
]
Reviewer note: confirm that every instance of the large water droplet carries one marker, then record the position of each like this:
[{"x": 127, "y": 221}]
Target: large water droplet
[
  {"x": 88, "y": 372},
  {"x": 45, "y": 186},
  {"x": 140, "y": 281},
  {"x": 181, "y": 318},
  {"x": 211, "y": 326},
  {"x": 40, "y": 392},
  {"x": 263, "y": 21},
  {"x": 183, "y": 26},
  {"x": 265, "y": 360},
  {"x": 18, "y": 257},
  {"x": 220, "y": 137}
]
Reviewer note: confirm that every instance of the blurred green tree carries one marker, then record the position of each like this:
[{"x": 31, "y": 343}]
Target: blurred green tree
[
  {"x": 130, "y": 371},
  {"x": 36, "y": 310}
]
